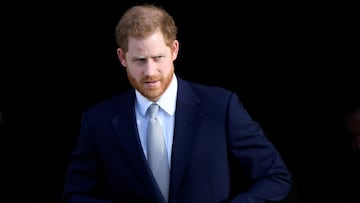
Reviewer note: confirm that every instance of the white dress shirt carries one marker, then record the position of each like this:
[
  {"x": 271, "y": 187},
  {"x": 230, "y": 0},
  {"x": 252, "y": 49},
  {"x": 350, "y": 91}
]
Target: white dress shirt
[{"x": 166, "y": 115}]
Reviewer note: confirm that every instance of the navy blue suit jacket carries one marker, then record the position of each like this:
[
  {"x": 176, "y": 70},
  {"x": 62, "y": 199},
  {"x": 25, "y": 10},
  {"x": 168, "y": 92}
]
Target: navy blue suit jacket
[{"x": 219, "y": 154}]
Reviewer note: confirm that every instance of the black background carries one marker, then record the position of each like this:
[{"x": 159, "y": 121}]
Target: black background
[{"x": 294, "y": 67}]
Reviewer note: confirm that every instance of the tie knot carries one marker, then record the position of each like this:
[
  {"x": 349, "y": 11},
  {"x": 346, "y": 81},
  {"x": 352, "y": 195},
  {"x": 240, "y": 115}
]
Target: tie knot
[{"x": 153, "y": 110}]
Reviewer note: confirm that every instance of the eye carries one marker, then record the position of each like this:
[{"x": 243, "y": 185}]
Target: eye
[
  {"x": 158, "y": 58},
  {"x": 140, "y": 60}
]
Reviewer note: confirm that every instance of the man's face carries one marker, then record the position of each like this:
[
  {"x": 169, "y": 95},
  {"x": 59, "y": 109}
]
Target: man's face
[{"x": 149, "y": 64}]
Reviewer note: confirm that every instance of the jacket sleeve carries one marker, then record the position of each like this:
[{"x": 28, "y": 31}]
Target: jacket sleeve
[
  {"x": 253, "y": 153},
  {"x": 82, "y": 181}
]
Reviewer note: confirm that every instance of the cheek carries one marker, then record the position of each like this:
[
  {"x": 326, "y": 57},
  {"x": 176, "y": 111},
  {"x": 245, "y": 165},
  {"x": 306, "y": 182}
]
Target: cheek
[
  {"x": 166, "y": 66},
  {"x": 134, "y": 72}
]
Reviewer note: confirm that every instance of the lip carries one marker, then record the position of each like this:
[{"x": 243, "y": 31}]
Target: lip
[{"x": 152, "y": 83}]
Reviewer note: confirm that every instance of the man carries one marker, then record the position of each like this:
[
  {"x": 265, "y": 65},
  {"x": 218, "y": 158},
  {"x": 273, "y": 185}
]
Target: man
[{"x": 214, "y": 151}]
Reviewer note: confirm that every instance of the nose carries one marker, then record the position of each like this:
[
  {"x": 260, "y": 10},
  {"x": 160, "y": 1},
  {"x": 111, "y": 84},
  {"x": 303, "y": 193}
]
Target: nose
[{"x": 150, "y": 68}]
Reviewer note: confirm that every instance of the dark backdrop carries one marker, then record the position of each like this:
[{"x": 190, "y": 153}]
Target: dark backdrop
[{"x": 293, "y": 66}]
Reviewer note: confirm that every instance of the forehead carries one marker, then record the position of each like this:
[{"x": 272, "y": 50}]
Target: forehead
[{"x": 153, "y": 41}]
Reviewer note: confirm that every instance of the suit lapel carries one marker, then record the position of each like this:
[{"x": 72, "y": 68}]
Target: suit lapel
[
  {"x": 127, "y": 134},
  {"x": 187, "y": 119}
]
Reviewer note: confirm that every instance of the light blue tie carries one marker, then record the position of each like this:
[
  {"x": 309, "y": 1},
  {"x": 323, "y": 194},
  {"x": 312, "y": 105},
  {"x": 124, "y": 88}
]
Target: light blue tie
[{"x": 156, "y": 151}]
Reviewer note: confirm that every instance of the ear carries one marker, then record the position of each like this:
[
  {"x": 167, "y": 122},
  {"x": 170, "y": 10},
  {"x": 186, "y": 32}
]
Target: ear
[
  {"x": 121, "y": 56},
  {"x": 175, "y": 49}
]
